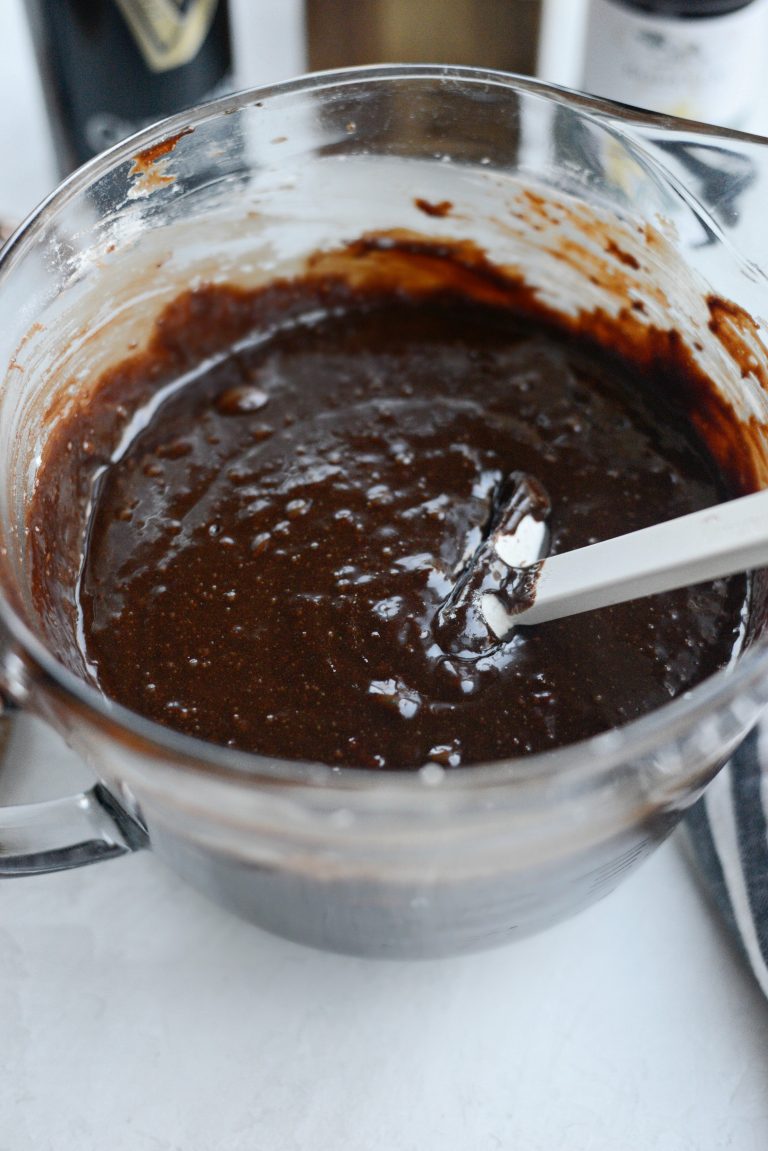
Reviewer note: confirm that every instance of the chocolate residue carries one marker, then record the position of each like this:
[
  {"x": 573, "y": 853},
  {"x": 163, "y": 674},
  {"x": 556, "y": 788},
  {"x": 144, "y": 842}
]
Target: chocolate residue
[
  {"x": 613, "y": 249},
  {"x": 148, "y": 168},
  {"x": 443, "y": 208},
  {"x": 144, "y": 160},
  {"x": 740, "y": 336}
]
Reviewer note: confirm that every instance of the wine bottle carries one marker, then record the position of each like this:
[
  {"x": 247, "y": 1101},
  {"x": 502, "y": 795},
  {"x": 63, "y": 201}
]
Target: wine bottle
[
  {"x": 109, "y": 67},
  {"x": 700, "y": 59}
]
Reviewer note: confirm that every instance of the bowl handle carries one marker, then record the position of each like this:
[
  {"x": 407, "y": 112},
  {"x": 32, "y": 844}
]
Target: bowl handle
[{"x": 37, "y": 838}]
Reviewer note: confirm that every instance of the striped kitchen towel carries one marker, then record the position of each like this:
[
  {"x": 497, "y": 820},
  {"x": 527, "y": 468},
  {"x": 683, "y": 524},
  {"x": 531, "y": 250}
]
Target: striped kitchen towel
[{"x": 728, "y": 831}]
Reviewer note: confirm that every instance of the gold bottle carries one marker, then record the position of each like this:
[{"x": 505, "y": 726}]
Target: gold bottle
[{"x": 487, "y": 33}]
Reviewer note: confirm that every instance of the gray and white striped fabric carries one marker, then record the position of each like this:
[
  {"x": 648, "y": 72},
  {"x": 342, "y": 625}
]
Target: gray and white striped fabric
[{"x": 728, "y": 830}]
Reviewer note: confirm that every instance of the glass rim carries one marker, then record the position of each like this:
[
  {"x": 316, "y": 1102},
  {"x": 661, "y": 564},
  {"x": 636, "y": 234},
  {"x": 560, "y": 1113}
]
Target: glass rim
[{"x": 572, "y": 765}]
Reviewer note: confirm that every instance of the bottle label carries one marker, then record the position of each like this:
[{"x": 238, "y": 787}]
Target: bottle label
[
  {"x": 168, "y": 33},
  {"x": 710, "y": 68}
]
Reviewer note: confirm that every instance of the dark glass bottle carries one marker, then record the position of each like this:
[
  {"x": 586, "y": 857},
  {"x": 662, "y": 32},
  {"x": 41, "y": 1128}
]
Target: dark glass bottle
[
  {"x": 111, "y": 66},
  {"x": 701, "y": 59}
]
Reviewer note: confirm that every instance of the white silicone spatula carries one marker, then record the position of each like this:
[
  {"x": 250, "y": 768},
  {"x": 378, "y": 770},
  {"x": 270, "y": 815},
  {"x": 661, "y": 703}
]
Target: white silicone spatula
[{"x": 718, "y": 541}]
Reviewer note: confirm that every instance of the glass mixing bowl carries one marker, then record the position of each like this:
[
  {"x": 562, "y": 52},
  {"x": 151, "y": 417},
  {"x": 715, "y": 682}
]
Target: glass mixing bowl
[{"x": 599, "y": 207}]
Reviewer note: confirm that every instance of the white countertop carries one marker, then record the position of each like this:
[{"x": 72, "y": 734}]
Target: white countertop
[{"x": 135, "y": 1016}]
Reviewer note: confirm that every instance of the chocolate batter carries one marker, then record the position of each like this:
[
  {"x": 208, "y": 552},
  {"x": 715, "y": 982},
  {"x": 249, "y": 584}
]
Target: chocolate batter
[{"x": 267, "y": 557}]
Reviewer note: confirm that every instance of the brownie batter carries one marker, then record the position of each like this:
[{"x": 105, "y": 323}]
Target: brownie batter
[{"x": 269, "y": 550}]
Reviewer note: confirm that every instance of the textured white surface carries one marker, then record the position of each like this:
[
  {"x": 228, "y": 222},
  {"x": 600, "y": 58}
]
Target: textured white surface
[{"x": 135, "y": 1016}]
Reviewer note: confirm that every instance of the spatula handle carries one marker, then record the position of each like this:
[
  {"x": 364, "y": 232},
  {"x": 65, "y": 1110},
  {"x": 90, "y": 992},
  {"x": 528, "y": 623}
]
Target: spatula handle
[{"x": 718, "y": 541}]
